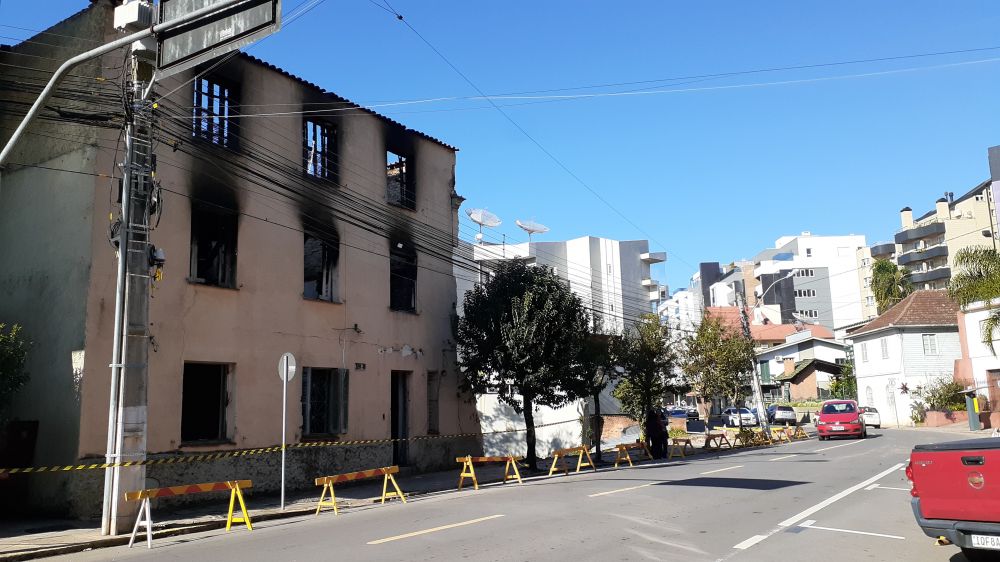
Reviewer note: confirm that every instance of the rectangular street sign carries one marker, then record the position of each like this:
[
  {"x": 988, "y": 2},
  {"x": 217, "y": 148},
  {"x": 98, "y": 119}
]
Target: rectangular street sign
[{"x": 214, "y": 35}]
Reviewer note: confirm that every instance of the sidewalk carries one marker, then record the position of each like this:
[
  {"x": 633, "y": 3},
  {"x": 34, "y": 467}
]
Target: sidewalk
[
  {"x": 38, "y": 538},
  {"x": 960, "y": 428}
]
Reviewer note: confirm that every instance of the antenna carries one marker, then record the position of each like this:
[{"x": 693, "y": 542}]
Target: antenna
[
  {"x": 532, "y": 227},
  {"x": 482, "y": 217}
]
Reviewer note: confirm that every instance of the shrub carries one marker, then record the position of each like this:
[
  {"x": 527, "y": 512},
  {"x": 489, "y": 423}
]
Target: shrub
[
  {"x": 677, "y": 433},
  {"x": 942, "y": 394}
]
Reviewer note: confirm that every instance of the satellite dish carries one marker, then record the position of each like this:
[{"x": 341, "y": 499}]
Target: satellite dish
[
  {"x": 482, "y": 217},
  {"x": 532, "y": 227}
]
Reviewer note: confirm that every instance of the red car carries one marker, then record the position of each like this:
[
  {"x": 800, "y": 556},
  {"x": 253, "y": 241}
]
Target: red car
[{"x": 840, "y": 417}]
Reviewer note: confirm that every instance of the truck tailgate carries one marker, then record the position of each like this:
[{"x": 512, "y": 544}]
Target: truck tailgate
[{"x": 958, "y": 480}]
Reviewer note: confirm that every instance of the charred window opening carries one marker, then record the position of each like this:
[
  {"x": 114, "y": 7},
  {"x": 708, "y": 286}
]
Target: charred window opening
[
  {"x": 213, "y": 247},
  {"x": 324, "y": 401},
  {"x": 318, "y": 150},
  {"x": 203, "y": 402},
  {"x": 213, "y": 111},
  {"x": 402, "y": 276},
  {"x": 321, "y": 273},
  {"x": 433, "y": 391},
  {"x": 399, "y": 180}
]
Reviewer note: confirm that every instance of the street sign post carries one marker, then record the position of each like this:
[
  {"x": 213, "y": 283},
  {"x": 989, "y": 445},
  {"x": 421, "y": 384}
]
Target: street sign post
[
  {"x": 213, "y": 35},
  {"x": 286, "y": 372}
]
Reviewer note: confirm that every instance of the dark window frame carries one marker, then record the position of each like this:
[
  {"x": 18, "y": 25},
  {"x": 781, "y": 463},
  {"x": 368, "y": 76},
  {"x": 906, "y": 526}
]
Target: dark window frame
[
  {"x": 201, "y": 435},
  {"x": 400, "y": 192},
  {"x": 320, "y": 161},
  {"x": 329, "y": 269},
  {"x": 203, "y": 219},
  {"x": 213, "y": 113},
  {"x": 332, "y": 394},
  {"x": 434, "y": 402},
  {"x": 402, "y": 276}
]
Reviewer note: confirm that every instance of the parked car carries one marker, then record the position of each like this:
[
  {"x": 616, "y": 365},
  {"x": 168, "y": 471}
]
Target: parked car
[
  {"x": 678, "y": 413},
  {"x": 838, "y": 418},
  {"x": 732, "y": 419},
  {"x": 871, "y": 417},
  {"x": 781, "y": 414},
  {"x": 955, "y": 494}
]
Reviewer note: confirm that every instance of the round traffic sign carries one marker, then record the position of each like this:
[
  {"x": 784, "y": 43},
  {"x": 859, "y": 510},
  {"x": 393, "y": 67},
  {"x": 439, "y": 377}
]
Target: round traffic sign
[{"x": 286, "y": 367}]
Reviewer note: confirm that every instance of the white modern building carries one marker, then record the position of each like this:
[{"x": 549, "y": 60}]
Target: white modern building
[
  {"x": 825, "y": 288},
  {"x": 682, "y": 312},
  {"x": 798, "y": 347},
  {"x": 911, "y": 345},
  {"x": 979, "y": 367}
]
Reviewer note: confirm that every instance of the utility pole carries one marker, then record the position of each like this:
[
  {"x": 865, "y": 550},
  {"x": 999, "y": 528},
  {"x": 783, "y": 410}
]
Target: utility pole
[{"x": 758, "y": 393}]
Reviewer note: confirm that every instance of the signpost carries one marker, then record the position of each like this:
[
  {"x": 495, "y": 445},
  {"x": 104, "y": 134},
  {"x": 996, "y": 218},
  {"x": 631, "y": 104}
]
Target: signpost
[{"x": 286, "y": 372}]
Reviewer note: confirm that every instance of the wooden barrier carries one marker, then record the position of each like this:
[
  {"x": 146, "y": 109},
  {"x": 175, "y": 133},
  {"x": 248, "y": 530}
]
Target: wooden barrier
[
  {"x": 679, "y": 444},
  {"x": 510, "y": 471},
  {"x": 561, "y": 454},
  {"x": 781, "y": 433},
  {"x": 144, "y": 518},
  {"x": 799, "y": 433},
  {"x": 328, "y": 481},
  {"x": 623, "y": 449},
  {"x": 719, "y": 438}
]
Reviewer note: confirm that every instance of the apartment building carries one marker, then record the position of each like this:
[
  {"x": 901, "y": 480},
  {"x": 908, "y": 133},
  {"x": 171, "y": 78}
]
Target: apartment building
[
  {"x": 811, "y": 279},
  {"x": 927, "y": 245},
  {"x": 326, "y": 235}
]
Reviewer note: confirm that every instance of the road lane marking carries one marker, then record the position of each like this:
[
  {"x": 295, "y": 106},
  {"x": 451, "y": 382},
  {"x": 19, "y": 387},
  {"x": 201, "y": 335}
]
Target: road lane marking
[
  {"x": 806, "y": 513},
  {"x": 891, "y": 488},
  {"x": 835, "y": 446},
  {"x": 785, "y": 457},
  {"x": 750, "y": 542},
  {"x": 434, "y": 530},
  {"x": 620, "y": 490},
  {"x": 872, "y": 487},
  {"x": 722, "y": 469},
  {"x": 810, "y": 524}
]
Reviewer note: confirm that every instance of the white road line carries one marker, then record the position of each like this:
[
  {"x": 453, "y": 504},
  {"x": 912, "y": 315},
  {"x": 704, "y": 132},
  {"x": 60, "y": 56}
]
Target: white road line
[
  {"x": 785, "y": 457},
  {"x": 620, "y": 490},
  {"x": 810, "y": 525},
  {"x": 872, "y": 487},
  {"x": 806, "y": 513},
  {"x": 434, "y": 530},
  {"x": 750, "y": 542},
  {"x": 835, "y": 446},
  {"x": 891, "y": 488},
  {"x": 722, "y": 469}
]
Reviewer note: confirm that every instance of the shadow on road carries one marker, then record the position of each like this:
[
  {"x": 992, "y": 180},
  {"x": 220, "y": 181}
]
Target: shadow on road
[{"x": 744, "y": 483}]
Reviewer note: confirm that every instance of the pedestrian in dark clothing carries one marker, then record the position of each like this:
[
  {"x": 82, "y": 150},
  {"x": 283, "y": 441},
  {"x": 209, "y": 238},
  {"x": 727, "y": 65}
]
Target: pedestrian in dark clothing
[{"x": 656, "y": 434}]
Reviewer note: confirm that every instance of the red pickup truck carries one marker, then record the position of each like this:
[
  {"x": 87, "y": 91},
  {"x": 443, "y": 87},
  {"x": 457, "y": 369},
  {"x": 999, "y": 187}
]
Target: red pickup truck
[{"x": 956, "y": 494}]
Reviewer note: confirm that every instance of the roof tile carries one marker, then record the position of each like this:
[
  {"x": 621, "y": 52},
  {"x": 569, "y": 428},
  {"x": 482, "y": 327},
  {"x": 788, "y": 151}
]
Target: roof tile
[{"x": 920, "y": 308}]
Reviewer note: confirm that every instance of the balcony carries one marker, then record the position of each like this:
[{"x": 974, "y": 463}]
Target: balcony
[
  {"x": 939, "y": 251},
  {"x": 930, "y": 275},
  {"x": 883, "y": 249},
  {"x": 654, "y": 295},
  {"x": 650, "y": 283},
  {"x": 916, "y": 233},
  {"x": 653, "y": 257}
]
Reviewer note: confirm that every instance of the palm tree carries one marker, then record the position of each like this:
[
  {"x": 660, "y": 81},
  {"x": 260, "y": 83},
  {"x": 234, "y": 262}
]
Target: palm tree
[
  {"x": 978, "y": 280},
  {"x": 890, "y": 284}
]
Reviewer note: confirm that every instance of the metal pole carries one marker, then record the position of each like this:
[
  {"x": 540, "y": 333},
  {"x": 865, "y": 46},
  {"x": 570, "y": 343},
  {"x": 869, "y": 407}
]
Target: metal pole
[{"x": 284, "y": 407}]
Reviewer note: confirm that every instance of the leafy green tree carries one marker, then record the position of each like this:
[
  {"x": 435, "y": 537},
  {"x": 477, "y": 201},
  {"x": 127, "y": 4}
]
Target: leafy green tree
[
  {"x": 890, "y": 284},
  {"x": 845, "y": 385},
  {"x": 597, "y": 370},
  {"x": 646, "y": 359},
  {"x": 978, "y": 280},
  {"x": 521, "y": 337},
  {"x": 715, "y": 360},
  {"x": 13, "y": 355}
]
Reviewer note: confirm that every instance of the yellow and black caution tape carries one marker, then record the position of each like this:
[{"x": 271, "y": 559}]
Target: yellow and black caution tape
[{"x": 250, "y": 452}]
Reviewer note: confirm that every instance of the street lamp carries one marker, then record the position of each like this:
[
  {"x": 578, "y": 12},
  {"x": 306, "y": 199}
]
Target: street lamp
[{"x": 758, "y": 393}]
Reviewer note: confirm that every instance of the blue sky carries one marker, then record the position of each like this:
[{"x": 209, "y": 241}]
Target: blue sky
[{"x": 712, "y": 173}]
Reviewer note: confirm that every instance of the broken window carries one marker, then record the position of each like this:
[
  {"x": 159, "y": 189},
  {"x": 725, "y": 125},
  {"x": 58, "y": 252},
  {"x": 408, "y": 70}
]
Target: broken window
[
  {"x": 402, "y": 276},
  {"x": 318, "y": 150},
  {"x": 320, "y": 274},
  {"x": 203, "y": 402},
  {"x": 213, "y": 109},
  {"x": 399, "y": 188},
  {"x": 433, "y": 391},
  {"x": 213, "y": 247},
  {"x": 324, "y": 401}
]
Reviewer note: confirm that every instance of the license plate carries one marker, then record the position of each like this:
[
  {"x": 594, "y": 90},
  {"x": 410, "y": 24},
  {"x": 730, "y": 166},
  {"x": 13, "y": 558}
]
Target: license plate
[
  {"x": 837, "y": 428},
  {"x": 986, "y": 541}
]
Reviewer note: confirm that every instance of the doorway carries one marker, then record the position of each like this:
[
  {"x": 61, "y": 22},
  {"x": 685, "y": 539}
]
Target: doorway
[{"x": 399, "y": 418}]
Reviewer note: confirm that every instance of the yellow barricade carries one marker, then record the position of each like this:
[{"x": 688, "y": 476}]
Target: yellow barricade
[
  {"x": 328, "y": 481},
  {"x": 623, "y": 452},
  {"x": 719, "y": 437},
  {"x": 144, "y": 518},
  {"x": 561, "y": 454},
  {"x": 678, "y": 446},
  {"x": 510, "y": 471}
]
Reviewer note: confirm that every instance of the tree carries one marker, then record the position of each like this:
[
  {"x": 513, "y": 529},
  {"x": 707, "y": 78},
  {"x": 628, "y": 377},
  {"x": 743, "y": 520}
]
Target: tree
[
  {"x": 646, "y": 359},
  {"x": 13, "y": 355},
  {"x": 521, "y": 337},
  {"x": 845, "y": 385},
  {"x": 978, "y": 280},
  {"x": 597, "y": 370},
  {"x": 715, "y": 360},
  {"x": 890, "y": 284}
]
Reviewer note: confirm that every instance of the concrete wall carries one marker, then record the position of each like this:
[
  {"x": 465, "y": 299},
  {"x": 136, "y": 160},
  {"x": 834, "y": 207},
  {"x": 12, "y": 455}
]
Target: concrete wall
[{"x": 498, "y": 420}]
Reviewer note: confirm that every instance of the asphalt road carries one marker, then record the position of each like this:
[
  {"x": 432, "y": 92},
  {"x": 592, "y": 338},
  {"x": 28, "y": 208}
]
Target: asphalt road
[{"x": 809, "y": 500}]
